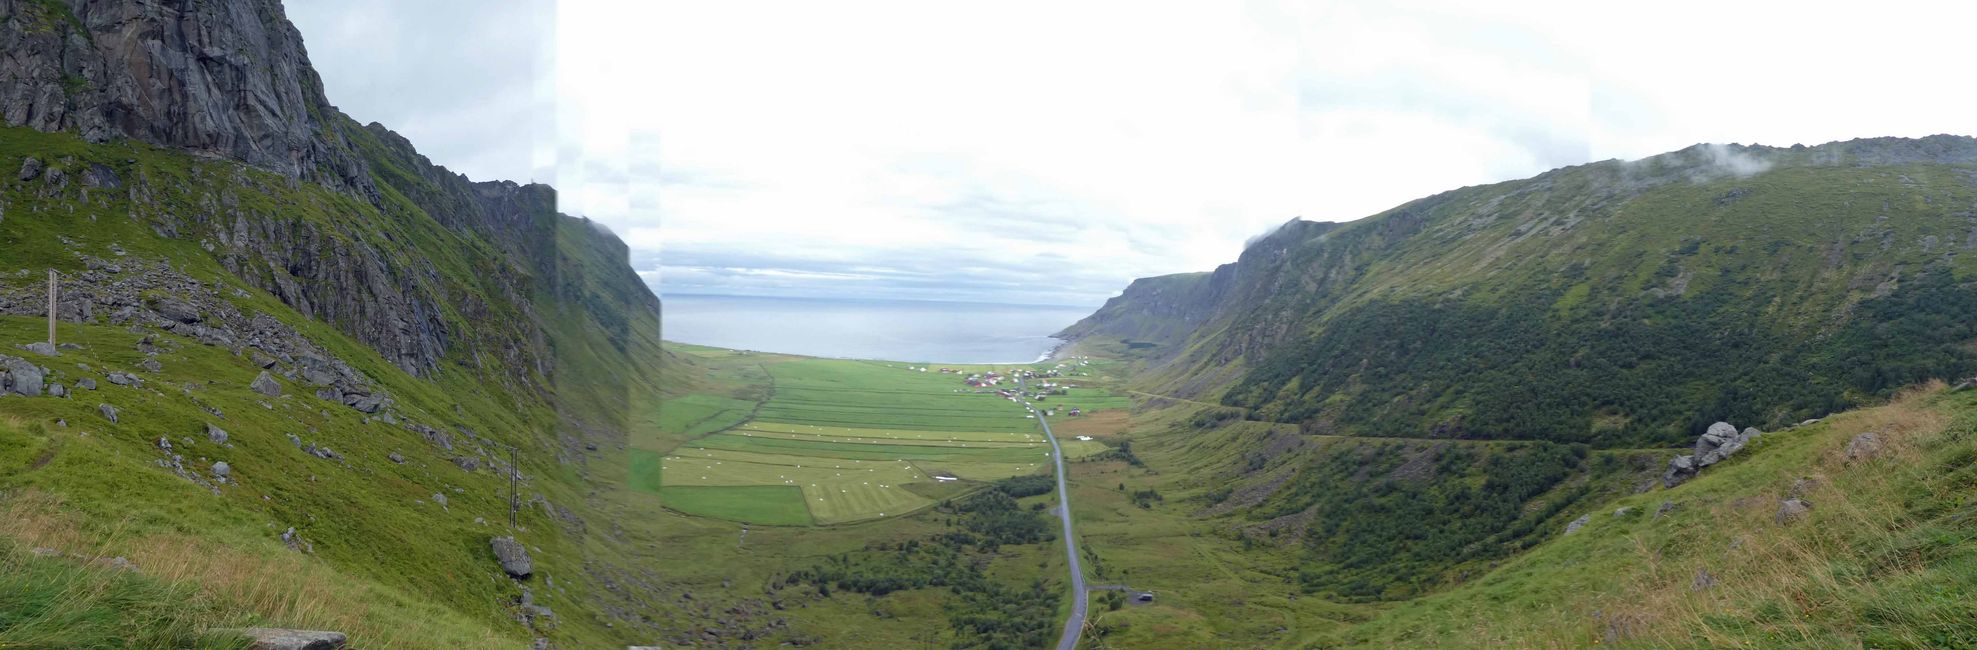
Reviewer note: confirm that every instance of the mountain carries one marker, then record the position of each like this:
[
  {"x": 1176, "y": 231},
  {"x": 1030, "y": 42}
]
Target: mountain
[
  {"x": 1400, "y": 403},
  {"x": 308, "y": 378},
  {"x": 1617, "y": 303}
]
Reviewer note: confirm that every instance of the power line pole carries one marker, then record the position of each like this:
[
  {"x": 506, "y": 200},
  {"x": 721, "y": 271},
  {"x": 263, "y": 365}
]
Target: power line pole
[
  {"x": 52, "y": 289},
  {"x": 514, "y": 497}
]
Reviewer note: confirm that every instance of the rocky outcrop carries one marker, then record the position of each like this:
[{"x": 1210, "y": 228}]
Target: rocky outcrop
[
  {"x": 1863, "y": 447},
  {"x": 513, "y": 557},
  {"x": 19, "y": 377},
  {"x": 267, "y": 638},
  {"x": 1717, "y": 443},
  {"x": 223, "y": 78}
]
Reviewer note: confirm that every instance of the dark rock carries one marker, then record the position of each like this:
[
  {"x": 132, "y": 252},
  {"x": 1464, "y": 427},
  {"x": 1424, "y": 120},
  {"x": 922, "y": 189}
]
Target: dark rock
[
  {"x": 109, "y": 412},
  {"x": 175, "y": 309},
  {"x": 267, "y": 638},
  {"x": 468, "y": 463},
  {"x": 513, "y": 557},
  {"x": 164, "y": 444},
  {"x": 1863, "y": 447},
  {"x": 1791, "y": 510},
  {"x": 1666, "y": 507},
  {"x": 265, "y": 384},
  {"x": 151, "y": 365},
  {"x": 20, "y": 377},
  {"x": 1680, "y": 469},
  {"x": 30, "y": 168}
]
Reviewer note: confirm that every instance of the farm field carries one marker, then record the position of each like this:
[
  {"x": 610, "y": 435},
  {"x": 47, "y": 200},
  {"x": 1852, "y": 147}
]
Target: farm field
[{"x": 839, "y": 441}]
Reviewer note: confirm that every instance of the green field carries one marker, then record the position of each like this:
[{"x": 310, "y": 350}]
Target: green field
[{"x": 843, "y": 441}]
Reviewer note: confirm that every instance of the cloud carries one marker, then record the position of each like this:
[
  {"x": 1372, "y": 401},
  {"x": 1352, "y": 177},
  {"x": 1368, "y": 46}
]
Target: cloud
[
  {"x": 1735, "y": 162},
  {"x": 974, "y": 151}
]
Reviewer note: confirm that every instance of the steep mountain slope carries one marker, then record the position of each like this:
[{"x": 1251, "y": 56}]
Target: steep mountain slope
[
  {"x": 1412, "y": 398},
  {"x": 304, "y": 350},
  {"x": 1614, "y": 303}
]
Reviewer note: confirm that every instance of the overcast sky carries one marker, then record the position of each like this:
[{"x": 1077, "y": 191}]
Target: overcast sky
[{"x": 1049, "y": 152}]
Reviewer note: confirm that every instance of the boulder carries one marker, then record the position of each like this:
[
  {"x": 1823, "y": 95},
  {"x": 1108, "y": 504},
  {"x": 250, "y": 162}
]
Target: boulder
[
  {"x": 57, "y": 390},
  {"x": 123, "y": 379},
  {"x": 1577, "y": 524},
  {"x": 86, "y": 383},
  {"x": 1863, "y": 447},
  {"x": 1713, "y": 438},
  {"x": 1791, "y": 510},
  {"x": 1665, "y": 508},
  {"x": 151, "y": 365},
  {"x": 439, "y": 499},
  {"x": 23, "y": 378},
  {"x": 176, "y": 309},
  {"x": 42, "y": 348},
  {"x": 30, "y": 168},
  {"x": 1680, "y": 469},
  {"x": 109, "y": 412},
  {"x": 265, "y": 384},
  {"x": 216, "y": 434},
  {"x": 396, "y": 457},
  {"x": 267, "y": 638},
  {"x": 513, "y": 557},
  {"x": 221, "y": 470}
]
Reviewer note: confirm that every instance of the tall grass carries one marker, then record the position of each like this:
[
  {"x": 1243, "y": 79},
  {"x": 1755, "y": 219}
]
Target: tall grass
[{"x": 181, "y": 587}]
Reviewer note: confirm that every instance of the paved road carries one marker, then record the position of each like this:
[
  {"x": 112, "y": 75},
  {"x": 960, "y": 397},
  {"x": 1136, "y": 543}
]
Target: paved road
[{"x": 1076, "y": 624}]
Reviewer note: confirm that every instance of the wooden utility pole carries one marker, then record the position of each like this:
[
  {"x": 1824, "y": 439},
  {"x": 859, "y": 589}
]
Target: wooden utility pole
[
  {"x": 52, "y": 289},
  {"x": 514, "y": 497}
]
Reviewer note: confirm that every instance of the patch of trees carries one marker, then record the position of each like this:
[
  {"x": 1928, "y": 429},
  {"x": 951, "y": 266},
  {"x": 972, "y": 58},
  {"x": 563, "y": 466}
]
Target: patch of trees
[
  {"x": 1027, "y": 486},
  {"x": 1146, "y": 498},
  {"x": 1636, "y": 371},
  {"x": 1122, "y": 452},
  {"x": 983, "y": 612},
  {"x": 1376, "y": 534}
]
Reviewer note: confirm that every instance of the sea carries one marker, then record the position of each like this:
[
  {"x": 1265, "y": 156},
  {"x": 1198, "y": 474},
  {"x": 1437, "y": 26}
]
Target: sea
[{"x": 893, "y": 330}]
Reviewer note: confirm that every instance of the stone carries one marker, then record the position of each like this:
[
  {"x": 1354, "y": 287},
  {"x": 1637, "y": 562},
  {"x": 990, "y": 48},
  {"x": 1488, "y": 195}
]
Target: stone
[
  {"x": 262, "y": 361},
  {"x": 1800, "y": 487},
  {"x": 30, "y": 168},
  {"x": 439, "y": 499},
  {"x": 1863, "y": 447},
  {"x": 1623, "y": 511},
  {"x": 109, "y": 412},
  {"x": 513, "y": 557},
  {"x": 42, "y": 348},
  {"x": 1791, "y": 510},
  {"x": 151, "y": 365},
  {"x": 1809, "y": 422},
  {"x": 164, "y": 444},
  {"x": 1702, "y": 580},
  {"x": 468, "y": 463},
  {"x": 268, "y": 638},
  {"x": 122, "y": 379},
  {"x": 1680, "y": 469},
  {"x": 1666, "y": 507},
  {"x": 86, "y": 383},
  {"x": 24, "y": 378},
  {"x": 396, "y": 457},
  {"x": 265, "y": 384},
  {"x": 1717, "y": 434},
  {"x": 216, "y": 434},
  {"x": 58, "y": 390},
  {"x": 177, "y": 310},
  {"x": 1577, "y": 524},
  {"x": 221, "y": 470}
]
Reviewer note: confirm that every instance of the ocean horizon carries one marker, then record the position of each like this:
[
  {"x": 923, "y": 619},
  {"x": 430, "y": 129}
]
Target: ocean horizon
[{"x": 924, "y": 331}]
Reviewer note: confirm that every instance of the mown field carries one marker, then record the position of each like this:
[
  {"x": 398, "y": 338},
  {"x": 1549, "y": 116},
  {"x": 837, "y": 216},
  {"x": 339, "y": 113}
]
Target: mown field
[{"x": 828, "y": 441}]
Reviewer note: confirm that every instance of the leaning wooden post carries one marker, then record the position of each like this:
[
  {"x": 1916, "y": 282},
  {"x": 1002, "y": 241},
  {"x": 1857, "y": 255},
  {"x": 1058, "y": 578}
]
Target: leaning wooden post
[{"x": 52, "y": 288}]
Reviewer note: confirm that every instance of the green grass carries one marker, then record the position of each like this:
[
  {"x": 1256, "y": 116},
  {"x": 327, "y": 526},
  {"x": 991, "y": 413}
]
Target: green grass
[{"x": 759, "y": 504}]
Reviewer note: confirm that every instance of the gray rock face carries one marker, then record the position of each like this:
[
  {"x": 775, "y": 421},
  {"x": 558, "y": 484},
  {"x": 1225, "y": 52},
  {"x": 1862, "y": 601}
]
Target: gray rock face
[
  {"x": 1717, "y": 435},
  {"x": 1863, "y": 447},
  {"x": 265, "y": 384},
  {"x": 513, "y": 557},
  {"x": 1680, "y": 469},
  {"x": 1578, "y": 523},
  {"x": 267, "y": 638},
  {"x": 122, "y": 379},
  {"x": 1791, "y": 510},
  {"x": 20, "y": 377},
  {"x": 176, "y": 309}
]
